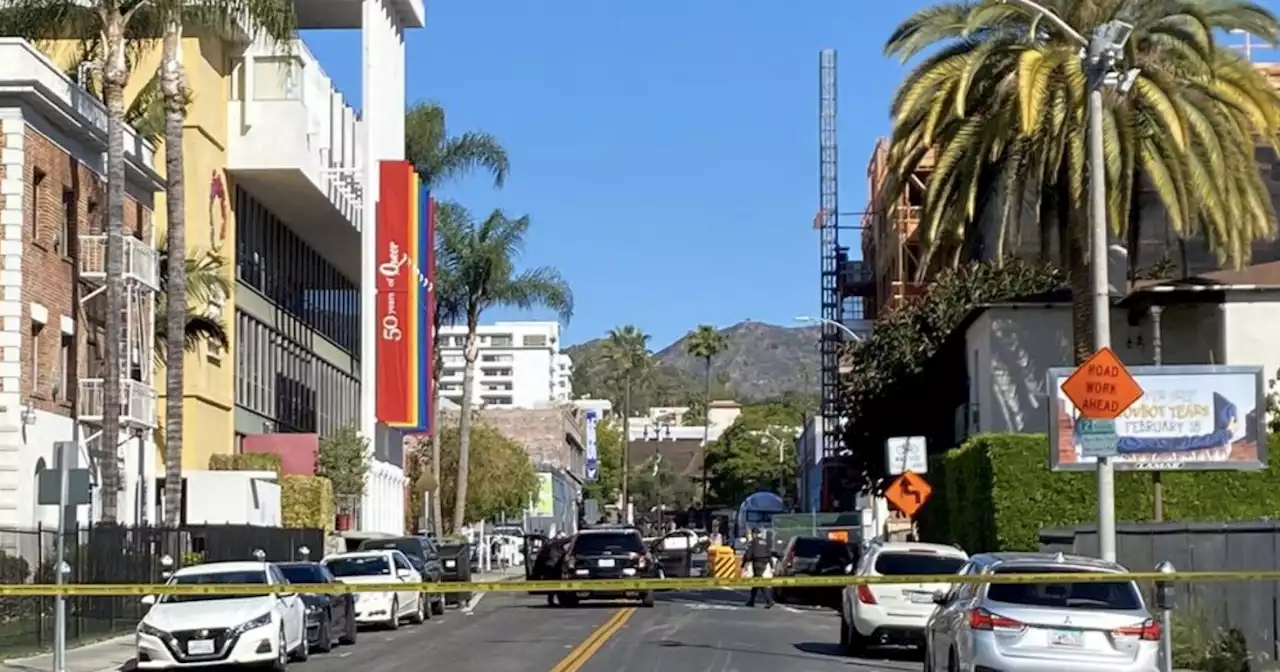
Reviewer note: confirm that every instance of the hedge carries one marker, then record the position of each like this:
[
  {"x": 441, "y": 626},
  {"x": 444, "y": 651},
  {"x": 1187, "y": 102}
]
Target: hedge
[
  {"x": 307, "y": 502},
  {"x": 247, "y": 462},
  {"x": 995, "y": 493}
]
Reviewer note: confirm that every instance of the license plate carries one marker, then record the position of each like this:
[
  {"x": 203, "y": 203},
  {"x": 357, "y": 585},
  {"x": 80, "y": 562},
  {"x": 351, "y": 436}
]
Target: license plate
[
  {"x": 1067, "y": 638},
  {"x": 200, "y": 647},
  {"x": 607, "y": 563},
  {"x": 920, "y": 598}
]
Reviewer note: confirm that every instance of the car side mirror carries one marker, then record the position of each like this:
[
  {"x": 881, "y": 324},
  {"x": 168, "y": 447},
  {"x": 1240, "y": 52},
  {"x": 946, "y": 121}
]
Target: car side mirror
[
  {"x": 940, "y": 598},
  {"x": 148, "y": 600},
  {"x": 405, "y": 574}
]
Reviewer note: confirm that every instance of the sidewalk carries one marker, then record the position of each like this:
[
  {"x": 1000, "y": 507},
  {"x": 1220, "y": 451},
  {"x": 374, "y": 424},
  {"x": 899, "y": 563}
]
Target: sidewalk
[{"x": 116, "y": 654}]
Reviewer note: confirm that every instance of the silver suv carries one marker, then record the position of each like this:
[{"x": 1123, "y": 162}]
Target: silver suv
[{"x": 1031, "y": 627}]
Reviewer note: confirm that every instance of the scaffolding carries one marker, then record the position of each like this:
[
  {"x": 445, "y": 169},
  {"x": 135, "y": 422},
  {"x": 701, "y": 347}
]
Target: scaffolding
[
  {"x": 891, "y": 235},
  {"x": 138, "y": 413},
  {"x": 830, "y": 252}
]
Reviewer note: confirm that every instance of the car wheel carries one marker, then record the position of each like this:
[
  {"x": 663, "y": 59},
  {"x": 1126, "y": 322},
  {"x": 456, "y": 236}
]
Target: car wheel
[
  {"x": 349, "y": 630},
  {"x": 393, "y": 621},
  {"x": 419, "y": 612},
  {"x": 844, "y": 635},
  {"x": 646, "y": 600},
  {"x": 282, "y": 653},
  {"x": 324, "y": 643},
  {"x": 953, "y": 661},
  {"x": 857, "y": 643},
  {"x": 437, "y": 607},
  {"x": 567, "y": 600},
  {"x": 303, "y": 652}
]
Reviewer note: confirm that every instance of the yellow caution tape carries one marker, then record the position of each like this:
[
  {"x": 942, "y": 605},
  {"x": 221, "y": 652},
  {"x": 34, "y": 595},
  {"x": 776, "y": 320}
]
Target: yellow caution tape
[{"x": 621, "y": 585}]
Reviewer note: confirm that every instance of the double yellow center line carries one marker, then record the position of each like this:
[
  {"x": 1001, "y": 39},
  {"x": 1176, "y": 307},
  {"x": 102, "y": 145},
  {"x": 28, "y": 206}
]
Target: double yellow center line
[{"x": 580, "y": 655}]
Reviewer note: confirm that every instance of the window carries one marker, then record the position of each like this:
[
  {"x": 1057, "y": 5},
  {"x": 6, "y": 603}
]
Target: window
[
  {"x": 1108, "y": 595},
  {"x": 37, "y": 199},
  {"x": 36, "y": 330},
  {"x": 608, "y": 543},
  {"x": 358, "y": 565},
  {"x": 66, "y": 223},
  {"x": 93, "y": 218},
  {"x": 503, "y": 341},
  {"x": 908, "y": 564},
  {"x": 535, "y": 341},
  {"x": 61, "y": 393}
]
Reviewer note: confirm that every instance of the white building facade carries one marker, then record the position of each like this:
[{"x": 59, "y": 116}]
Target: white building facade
[{"x": 519, "y": 365}]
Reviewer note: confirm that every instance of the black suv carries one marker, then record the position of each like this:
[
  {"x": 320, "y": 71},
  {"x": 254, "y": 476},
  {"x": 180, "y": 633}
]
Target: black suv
[{"x": 607, "y": 554}]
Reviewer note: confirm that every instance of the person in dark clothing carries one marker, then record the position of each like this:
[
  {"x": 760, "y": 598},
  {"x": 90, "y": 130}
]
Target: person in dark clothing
[{"x": 759, "y": 557}]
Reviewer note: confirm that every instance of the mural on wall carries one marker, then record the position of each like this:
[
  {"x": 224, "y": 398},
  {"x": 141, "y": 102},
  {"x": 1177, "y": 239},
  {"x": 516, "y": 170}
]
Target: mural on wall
[{"x": 218, "y": 212}]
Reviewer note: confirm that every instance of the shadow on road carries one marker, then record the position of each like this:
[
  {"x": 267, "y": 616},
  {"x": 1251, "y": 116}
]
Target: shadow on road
[
  {"x": 704, "y": 596},
  {"x": 874, "y": 655}
]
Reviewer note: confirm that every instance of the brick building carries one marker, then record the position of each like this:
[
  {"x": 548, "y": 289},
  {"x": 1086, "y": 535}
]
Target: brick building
[{"x": 52, "y": 293}]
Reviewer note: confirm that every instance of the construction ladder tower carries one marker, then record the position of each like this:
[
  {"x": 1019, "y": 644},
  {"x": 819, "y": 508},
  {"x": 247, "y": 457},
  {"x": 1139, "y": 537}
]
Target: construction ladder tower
[
  {"x": 141, "y": 278},
  {"x": 828, "y": 215}
]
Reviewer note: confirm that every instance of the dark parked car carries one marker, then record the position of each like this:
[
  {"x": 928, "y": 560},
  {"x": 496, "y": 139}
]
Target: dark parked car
[
  {"x": 597, "y": 554},
  {"x": 423, "y": 555},
  {"x": 815, "y": 556},
  {"x": 330, "y": 618},
  {"x": 455, "y": 558}
]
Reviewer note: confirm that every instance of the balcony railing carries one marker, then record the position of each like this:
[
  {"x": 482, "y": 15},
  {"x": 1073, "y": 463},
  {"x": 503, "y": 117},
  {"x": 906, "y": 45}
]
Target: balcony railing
[
  {"x": 141, "y": 262},
  {"x": 137, "y": 403}
]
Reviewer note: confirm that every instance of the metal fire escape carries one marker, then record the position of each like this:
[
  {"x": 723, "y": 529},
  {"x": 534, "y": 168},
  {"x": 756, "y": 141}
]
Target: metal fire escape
[
  {"x": 829, "y": 237},
  {"x": 137, "y": 357}
]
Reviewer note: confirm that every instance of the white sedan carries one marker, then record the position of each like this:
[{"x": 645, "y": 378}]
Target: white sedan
[
  {"x": 385, "y": 608},
  {"x": 187, "y": 631}
]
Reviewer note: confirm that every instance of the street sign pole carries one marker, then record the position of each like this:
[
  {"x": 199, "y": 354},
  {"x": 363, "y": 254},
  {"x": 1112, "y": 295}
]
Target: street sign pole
[{"x": 64, "y": 451}]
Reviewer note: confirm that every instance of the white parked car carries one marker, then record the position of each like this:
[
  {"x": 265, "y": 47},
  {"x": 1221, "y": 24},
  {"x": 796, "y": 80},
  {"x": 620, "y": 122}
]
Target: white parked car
[
  {"x": 873, "y": 615},
  {"x": 184, "y": 631},
  {"x": 381, "y": 566}
]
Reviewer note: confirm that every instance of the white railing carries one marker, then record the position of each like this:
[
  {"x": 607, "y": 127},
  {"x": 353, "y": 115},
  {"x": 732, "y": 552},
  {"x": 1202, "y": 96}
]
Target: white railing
[
  {"x": 137, "y": 403},
  {"x": 141, "y": 262}
]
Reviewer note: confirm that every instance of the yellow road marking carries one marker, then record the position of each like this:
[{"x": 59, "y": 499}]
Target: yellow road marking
[{"x": 583, "y": 652}]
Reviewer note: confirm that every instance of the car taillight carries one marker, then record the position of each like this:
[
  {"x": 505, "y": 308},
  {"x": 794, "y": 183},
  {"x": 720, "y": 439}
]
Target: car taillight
[
  {"x": 791, "y": 556},
  {"x": 1148, "y": 631},
  {"x": 981, "y": 619},
  {"x": 865, "y": 595}
]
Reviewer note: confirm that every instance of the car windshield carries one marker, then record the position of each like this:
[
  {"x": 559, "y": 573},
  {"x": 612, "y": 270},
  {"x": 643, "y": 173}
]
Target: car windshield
[
  {"x": 365, "y": 565},
  {"x": 809, "y": 547},
  {"x": 1108, "y": 595},
  {"x": 908, "y": 563},
  {"x": 303, "y": 573},
  {"x": 255, "y": 577},
  {"x": 608, "y": 544}
]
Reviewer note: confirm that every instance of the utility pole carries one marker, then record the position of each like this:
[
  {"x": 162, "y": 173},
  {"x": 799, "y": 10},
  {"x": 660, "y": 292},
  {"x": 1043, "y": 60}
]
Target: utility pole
[{"x": 626, "y": 448}]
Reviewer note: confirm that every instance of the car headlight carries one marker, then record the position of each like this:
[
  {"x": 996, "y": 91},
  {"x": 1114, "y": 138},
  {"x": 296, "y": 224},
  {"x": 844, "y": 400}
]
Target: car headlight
[
  {"x": 145, "y": 629},
  {"x": 313, "y": 608},
  {"x": 259, "y": 622}
]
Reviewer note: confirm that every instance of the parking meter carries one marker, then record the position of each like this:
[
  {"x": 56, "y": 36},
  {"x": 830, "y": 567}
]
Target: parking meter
[{"x": 1164, "y": 589}]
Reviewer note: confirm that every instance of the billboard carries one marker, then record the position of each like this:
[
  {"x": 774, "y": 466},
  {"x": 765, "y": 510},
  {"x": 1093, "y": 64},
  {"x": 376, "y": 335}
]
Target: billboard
[
  {"x": 1188, "y": 418},
  {"x": 593, "y": 459},
  {"x": 404, "y": 298},
  {"x": 544, "y": 504}
]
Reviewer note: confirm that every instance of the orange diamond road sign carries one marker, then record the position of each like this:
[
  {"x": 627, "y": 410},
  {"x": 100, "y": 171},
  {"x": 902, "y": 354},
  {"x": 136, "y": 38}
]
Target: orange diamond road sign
[
  {"x": 1102, "y": 387},
  {"x": 908, "y": 493}
]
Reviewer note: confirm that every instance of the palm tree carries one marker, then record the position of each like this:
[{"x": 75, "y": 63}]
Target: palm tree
[
  {"x": 451, "y": 220},
  {"x": 626, "y": 352},
  {"x": 271, "y": 18},
  {"x": 1000, "y": 105},
  {"x": 483, "y": 255},
  {"x": 439, "y": 157},
  {"x": 206, "y": 285},
  {"x": 705, "y": 342}
]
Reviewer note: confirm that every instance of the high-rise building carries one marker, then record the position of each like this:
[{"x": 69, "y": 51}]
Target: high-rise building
[{"x": 519, "y": 365}]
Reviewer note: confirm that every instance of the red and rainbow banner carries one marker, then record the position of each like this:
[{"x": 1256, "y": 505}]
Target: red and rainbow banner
[{"x": 405, "y": 296}]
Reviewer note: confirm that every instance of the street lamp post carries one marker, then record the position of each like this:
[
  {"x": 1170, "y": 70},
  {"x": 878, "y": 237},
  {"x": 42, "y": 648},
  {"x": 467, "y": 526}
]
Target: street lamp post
[
  {"x": 1101, "y": 53},
  {"x": 822, "y": 320}
]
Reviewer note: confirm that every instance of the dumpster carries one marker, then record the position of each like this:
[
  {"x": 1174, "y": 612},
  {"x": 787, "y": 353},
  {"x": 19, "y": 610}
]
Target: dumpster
[{"x": 455, "y": 562}]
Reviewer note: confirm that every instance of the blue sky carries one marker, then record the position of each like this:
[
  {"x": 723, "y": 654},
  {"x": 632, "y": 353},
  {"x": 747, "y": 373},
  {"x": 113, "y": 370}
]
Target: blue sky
[{"x": 666, "y": 151}]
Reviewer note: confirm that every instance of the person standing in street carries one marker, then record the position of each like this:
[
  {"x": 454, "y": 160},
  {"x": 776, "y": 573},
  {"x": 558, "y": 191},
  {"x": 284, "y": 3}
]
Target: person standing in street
[{"x": 757, "y": 562}]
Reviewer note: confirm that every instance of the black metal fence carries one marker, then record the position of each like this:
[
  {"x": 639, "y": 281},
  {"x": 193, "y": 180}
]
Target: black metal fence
[
  {"x": 1248, "y": 608},
  {"x": 117, "y": 554}
]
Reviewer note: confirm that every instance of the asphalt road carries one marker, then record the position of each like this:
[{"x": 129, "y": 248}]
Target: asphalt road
[{"x": 690, "y": 632}]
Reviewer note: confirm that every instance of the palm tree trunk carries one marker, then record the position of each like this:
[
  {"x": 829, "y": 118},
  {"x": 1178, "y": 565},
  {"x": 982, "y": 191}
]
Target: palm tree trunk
[
  {"x": 706, "y": 429},
  {"x": 626, "y": 446},
  {"x": 115, "y": 77},
  {"x": 172, "y": 86},
  {"x": 437, "y": 513},
  {"x": 469, "y": 355}
]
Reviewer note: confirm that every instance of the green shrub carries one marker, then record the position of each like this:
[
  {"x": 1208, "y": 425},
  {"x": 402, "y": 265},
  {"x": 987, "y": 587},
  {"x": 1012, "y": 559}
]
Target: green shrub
[
  {"x": 1199, "y": 645},
  {"x": 13, "y": 570},
  {"x": 997, "y": 493},
  {"x": 307, "y": 502},
  {"x": 247, "y": 462}
]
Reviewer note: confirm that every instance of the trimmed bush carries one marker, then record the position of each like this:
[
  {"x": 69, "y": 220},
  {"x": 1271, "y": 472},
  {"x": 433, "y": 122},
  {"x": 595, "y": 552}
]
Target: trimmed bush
[
  {"x": 247, "y": 462},
  {"x": 307, "y": 502},
  {"x": 995, "y": 493}
]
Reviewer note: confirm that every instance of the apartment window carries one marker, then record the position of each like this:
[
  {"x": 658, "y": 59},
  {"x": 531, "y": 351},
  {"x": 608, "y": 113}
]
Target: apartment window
[
  {"x": 495, "y": 359},
  {"x": 37, "y": 199},
  {"x": 495, "y": 372},
  {"x": 64, "y": 367},
  {"x": 37, "y": 330},
  {"x": 504, "y": 341},
  {"x": 535, "y": 341},
  {"x": 67, "y": 222},
  {"x": 93, "y": 218}
]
